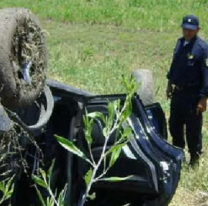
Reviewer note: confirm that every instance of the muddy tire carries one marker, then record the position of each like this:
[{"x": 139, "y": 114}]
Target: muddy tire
[
  {"x": 23, "y": 57},
  {"x": 146, "y": 87}
]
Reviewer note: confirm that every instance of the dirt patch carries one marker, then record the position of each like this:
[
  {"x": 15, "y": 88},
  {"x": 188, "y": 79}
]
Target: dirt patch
[{"x": 184, "y": 197}]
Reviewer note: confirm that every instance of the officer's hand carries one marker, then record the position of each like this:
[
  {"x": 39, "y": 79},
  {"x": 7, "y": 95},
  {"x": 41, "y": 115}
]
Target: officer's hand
[
  {"x": 169, "y": 90},
  {"x": 202, "y": 105}
]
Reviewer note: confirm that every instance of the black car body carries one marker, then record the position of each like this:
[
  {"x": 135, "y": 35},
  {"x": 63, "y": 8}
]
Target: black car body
[
  {"x": 154, "y": 163},
  {"x": 29, "y": 119}
]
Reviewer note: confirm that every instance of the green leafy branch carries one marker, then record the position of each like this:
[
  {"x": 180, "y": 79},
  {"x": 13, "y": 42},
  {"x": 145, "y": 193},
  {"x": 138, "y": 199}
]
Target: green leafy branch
[
  {"x": 44, "y": 181},
  {"x": 7, "y": 189},
  {"x": 113, "y": 124}
]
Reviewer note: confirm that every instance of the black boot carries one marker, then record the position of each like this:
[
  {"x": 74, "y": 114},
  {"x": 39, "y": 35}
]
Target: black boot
[{"x": 194, "y": 161}]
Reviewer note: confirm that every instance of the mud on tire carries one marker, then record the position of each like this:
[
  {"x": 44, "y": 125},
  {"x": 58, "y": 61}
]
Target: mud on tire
[{"x": 23, "y": 57}]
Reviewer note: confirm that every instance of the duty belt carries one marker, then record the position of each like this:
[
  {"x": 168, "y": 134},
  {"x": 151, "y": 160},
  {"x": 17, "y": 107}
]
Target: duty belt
[{"x": 188, "y": 87}]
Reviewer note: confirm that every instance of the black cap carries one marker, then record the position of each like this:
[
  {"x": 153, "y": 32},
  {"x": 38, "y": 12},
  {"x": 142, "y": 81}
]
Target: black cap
[{"x": 190, "y": 22}]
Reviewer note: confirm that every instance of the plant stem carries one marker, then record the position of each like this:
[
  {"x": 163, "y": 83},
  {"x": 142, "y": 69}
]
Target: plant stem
[
  {"x": 95, "y": 169},
  {"x": 52, "y": 195},
  {"x": 102, "y": 156}
]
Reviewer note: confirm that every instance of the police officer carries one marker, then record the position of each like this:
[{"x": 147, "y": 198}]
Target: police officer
[{"x": 188, "y": 88}]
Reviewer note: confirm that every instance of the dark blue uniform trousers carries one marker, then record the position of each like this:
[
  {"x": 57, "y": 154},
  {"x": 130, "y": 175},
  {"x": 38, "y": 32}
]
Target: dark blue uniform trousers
[{"x": 184, "y": 119}]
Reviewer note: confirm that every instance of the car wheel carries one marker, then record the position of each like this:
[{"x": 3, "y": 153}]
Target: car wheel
[
  {"x": 146, "y": 88},
  {"x": 23, "y": 57}
]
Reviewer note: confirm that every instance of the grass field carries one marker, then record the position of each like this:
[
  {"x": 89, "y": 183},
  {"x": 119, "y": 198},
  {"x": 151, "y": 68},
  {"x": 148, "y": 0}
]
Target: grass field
[
  {"x": 93, "y": 42},
  {"x": 94, "y": 58}
]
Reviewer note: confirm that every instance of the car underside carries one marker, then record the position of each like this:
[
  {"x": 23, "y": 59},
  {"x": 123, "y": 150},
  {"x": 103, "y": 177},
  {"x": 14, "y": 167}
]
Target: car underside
[{"x": 154, "y": 163}]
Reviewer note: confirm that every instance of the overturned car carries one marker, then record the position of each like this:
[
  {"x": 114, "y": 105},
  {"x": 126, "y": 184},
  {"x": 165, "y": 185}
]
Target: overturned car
[{"x": 33, "y": 110}]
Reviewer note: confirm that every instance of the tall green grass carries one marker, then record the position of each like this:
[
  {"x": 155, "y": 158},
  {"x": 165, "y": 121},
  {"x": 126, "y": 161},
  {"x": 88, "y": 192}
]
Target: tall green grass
[
  {"x": 156, "y": 15},
  {"x": 95, "y": 57}
]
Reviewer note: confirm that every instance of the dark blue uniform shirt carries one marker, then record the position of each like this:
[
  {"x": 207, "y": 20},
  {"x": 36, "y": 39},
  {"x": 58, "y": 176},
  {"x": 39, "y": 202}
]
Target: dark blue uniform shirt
[{"x": 189, "y": 68}]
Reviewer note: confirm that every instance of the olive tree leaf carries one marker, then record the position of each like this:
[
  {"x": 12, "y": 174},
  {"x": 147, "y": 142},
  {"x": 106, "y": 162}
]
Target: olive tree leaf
[
  {"x": 50, "y": 201},
  {"x": 8, "y": 188},
  {"x": 111, "y": 113},
  {"x": 88, "y": 176},
  {"x": 116, "y": 147},
  {"x": 130, "y": 84},
  {"x": 127, "y": 112},
  {"x": 125, "y": 83},
  {"x": 69, "y": 146},
  {"x": 95, "y": 115},
  {"x": 40, "y": 196},
  {"x": 43, "y": 174},
  {"x": 1, "y": 186},
  {"x": 39, "y": 181},
  {"x": 50, "y": 170},
  {"x": 111, "y": 106},
  {"x": 126, "y": 133},
  {"x": 92, "y": 196},
  {"x": 116, "y": 179},
  {"x": 62, "y": 195},
  {"x": 115, "y": 150},
  {"x": 105, "y": 131},
  {"x": 88, "y": 129},
  {"x": 114, "y": 156}
]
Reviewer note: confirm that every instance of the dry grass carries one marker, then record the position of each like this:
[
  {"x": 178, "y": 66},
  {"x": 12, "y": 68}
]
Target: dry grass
[{"x": 184, "y": 197}]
